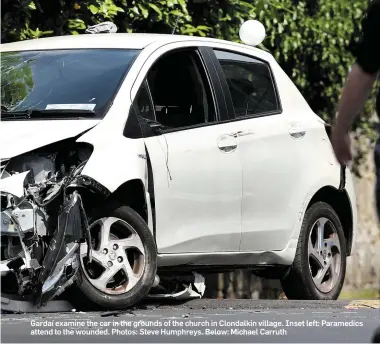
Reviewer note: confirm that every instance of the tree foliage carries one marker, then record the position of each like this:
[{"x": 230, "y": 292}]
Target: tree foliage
[
  {"x": 20, "y": 78},
  {"x": 311, "y": 39}
]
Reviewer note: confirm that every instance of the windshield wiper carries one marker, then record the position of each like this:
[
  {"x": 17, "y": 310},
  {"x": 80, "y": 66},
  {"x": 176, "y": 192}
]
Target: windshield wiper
[{"x": 33, "y": 113}]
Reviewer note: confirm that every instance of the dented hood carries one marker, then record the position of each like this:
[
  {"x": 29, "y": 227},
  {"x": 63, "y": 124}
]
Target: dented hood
[{"x": 21, "y": 136}]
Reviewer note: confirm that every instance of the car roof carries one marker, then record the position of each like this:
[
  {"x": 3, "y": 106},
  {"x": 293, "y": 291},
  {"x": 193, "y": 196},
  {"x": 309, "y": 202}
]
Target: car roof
[{"x": 106, "y": 41}]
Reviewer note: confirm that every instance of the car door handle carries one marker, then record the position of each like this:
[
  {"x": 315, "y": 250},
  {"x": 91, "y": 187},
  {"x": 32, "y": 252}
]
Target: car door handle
[
  {"x": 297, "y": 132},
  {"x": 227, "y": 143}
]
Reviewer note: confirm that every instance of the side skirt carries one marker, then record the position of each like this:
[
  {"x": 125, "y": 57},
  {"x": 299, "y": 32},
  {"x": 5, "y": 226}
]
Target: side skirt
[{"x": 227, "y": 259}]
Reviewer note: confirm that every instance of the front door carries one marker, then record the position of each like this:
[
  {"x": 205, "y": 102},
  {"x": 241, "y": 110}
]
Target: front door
[{"x": 197, "y": 170}]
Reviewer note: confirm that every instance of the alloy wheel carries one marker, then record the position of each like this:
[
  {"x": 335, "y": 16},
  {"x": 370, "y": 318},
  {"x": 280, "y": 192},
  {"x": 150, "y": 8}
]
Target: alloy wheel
[
  {"x": 118, "y": 256},
  {"x": 324, "y": 251}
]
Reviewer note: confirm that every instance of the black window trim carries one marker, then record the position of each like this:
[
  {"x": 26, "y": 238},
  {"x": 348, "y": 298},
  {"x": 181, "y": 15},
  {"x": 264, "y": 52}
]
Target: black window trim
[
  {"x": 211, "y": 75},
  {"x": 233, "y": 117},
  {"x": 213, "y": 81},
  {"x": 220, "y": 92},
  {"x": 145, "y": 84},
  {"x": 132, "y": 113},
  {"x": 230, "y": 112},
  {"x": 222, "y": 99}
]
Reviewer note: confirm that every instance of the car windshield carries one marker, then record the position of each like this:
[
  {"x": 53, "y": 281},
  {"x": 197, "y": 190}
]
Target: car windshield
[{"x": 70, "y": 80}]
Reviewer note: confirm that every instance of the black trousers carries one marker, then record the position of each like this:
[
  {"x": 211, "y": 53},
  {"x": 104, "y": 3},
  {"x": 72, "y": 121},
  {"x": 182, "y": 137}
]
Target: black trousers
[{"x": 377, "y": 167}]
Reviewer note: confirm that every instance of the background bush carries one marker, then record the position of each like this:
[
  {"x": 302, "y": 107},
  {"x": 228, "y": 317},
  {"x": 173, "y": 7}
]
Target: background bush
[{"x": 312, "y": 40}]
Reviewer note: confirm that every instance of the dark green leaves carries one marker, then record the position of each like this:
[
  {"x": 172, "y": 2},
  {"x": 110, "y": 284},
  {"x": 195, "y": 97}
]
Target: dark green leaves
[{"x": 310, "y": 41}]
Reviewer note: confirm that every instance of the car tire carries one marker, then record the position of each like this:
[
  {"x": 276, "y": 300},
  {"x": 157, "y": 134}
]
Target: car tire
[
  {"x": 87, "y": 294},
  {"x": 319, "y": 267}
]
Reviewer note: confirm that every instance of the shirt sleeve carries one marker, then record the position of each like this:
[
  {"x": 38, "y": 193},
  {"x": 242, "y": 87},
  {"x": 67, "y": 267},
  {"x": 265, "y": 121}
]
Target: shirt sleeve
[{"x": 368, "y": 52}]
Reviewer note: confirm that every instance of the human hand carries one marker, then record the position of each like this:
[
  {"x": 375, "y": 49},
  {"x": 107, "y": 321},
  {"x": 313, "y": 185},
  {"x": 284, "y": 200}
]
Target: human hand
[{"x": 341, "y": 144}]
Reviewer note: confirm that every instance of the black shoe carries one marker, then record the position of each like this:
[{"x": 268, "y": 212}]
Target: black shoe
[{"x": 376, "y": 336}]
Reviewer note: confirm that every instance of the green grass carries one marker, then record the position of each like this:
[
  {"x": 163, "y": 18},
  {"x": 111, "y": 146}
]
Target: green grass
[{"x": 364, "y": 294}]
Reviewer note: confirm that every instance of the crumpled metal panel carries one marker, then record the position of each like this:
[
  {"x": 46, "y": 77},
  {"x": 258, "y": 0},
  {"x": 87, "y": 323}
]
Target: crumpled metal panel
[{"x": 61, "y": 261}]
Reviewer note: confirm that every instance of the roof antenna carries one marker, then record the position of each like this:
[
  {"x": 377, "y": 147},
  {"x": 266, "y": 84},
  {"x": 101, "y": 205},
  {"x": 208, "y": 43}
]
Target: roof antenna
[{"x": 175, "y": 26}]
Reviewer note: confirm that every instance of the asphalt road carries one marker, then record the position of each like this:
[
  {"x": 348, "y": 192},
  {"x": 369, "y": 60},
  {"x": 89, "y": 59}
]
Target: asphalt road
[{"x": 201, "y": 321}]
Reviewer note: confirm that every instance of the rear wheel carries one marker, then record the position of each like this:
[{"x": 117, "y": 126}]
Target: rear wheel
[
  {"x": 123, "y": 265},
  {"x": 319, "y": 267}
]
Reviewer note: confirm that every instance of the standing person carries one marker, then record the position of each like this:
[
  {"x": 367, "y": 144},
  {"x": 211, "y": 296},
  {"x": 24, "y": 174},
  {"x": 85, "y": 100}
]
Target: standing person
[
  {"x": 359, "y": 84},
  {"x": 376, "y": 336},
  {"x": 356, "y": 91}
]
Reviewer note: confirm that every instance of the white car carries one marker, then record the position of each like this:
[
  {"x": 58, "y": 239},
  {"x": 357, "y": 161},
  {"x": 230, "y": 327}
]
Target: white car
[{"x": 169, "y": 154}]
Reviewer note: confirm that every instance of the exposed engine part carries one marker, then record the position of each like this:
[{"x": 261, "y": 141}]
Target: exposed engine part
[
  {"x": 25, "y": 217},
  {"x": 25, "y": 275},
  {"x": 43, "y": 220},
  {"x": 6, "y": 201},
  {"x": 25, "y": 250},
  {"x": 41, "y": 168}
]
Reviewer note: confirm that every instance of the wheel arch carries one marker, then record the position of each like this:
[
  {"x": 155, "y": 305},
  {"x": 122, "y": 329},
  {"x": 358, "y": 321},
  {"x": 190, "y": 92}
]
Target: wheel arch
[
  {"x": 133, "y": 194},
  {"x": 340, "y": 202}
]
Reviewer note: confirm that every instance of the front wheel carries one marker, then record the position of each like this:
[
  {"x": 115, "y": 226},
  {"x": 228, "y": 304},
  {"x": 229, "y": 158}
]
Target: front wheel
[
  {"x": 319, "y": 267},
  {"x": 124, "y": 260}
]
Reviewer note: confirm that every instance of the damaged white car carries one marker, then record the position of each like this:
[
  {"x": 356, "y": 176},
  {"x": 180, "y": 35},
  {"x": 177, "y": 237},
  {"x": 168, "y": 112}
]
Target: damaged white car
[{"x": 130, "y": 158}]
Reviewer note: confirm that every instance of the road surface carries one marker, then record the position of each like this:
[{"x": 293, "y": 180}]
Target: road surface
[{"x": 203, "y": 321}]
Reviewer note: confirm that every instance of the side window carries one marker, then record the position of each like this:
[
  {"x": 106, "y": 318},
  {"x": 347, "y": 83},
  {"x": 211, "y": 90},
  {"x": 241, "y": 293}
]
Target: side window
[
  {"x": 250, "y": 82},
  {"x": 180, "y": 89}
]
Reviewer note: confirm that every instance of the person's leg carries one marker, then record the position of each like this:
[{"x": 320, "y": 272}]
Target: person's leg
[
  {"x": 377, "y": 187},
  {"x": 376, "y": 336}
]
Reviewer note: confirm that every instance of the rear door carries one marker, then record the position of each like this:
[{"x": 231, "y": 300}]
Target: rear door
[{"x": 268, "y": 141}]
